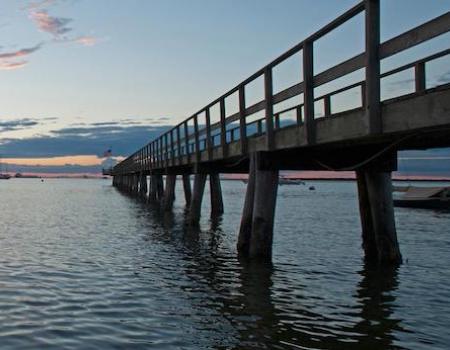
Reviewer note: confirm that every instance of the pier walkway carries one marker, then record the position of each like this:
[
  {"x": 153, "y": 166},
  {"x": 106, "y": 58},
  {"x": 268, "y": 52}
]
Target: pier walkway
[{"x": 299, "y": 128}]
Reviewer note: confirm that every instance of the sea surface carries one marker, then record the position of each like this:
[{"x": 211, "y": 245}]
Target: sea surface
[{"x": 84, "y": 266}]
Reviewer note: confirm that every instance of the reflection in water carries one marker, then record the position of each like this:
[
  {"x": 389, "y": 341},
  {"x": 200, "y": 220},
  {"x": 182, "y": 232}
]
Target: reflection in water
[
  {"x": 123, "y": 274},
  {"x": 376, "y": 294},
  {"x": 262, "y": 315}
]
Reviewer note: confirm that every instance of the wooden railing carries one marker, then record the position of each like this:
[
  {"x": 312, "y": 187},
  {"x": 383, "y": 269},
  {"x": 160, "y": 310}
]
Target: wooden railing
[{"x": 185, "y": 143}]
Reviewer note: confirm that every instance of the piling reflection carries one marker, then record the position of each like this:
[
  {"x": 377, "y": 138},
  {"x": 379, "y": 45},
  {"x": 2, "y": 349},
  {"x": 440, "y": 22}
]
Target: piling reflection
[
  {"x": 376, "y": 292},
  {"x": 260, "y": 307}
]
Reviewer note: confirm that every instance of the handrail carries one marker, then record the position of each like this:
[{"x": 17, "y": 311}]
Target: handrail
[{"x": 160, "y": 153}]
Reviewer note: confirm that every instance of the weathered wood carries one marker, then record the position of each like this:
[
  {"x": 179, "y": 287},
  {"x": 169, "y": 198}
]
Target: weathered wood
[
  {"x": 308, "y": 92},
  {"x": 153, "y": 193},
  {"x": 196, "y": 200},
  {"x": 216, "y": 194},
  {"x": 327, "y": 105},
  {"x": 159, "y": 187},
  {"x": 379, "y": 189},
  {"x": 186, "y": 141},
  {"x": 266, "y": 188},
  {"x": 208, "y": 141},
  {"x": 372, "y": 65},
  {"x": 242, "y": 120},
  {"x": 268, "y": 95},
  {"x": 245, "y": 229},
  {"x": 417, "y": 35},
  {"x": 368, "y": 234},
  {"x": 420, "y": 78},
  {"x": 143, "y": 185},
  {"x": 169, "y": 193},
  {"x": 223, "y": 129},
  {"x": 285, "y": 94},
  {"x": 187, "y": 188},
  {"x": 197, "y": 139}
]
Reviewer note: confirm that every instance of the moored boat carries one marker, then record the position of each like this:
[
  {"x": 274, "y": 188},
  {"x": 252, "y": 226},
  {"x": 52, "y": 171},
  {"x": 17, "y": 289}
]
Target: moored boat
[{"x": 423, "y": 197}]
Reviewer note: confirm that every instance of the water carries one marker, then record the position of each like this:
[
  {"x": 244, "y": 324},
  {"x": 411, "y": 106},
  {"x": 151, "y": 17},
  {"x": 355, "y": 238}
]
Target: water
[{"x": 83, "y": 266}]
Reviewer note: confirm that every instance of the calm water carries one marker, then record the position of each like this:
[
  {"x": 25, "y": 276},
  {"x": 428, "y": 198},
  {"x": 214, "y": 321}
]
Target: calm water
[{"x": 83, "y": 266}]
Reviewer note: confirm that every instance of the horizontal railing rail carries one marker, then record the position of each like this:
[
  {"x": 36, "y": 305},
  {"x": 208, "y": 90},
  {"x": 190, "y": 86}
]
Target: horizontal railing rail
[{"x": 186, "y": 142}]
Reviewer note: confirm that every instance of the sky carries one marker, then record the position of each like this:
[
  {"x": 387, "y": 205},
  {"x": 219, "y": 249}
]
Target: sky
[{"x": 80, "y": 76}]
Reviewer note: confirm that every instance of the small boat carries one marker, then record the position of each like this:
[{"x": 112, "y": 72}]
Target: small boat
[
  {"x": 287, "y": 181},
  {"x": 422, "y": 197}
]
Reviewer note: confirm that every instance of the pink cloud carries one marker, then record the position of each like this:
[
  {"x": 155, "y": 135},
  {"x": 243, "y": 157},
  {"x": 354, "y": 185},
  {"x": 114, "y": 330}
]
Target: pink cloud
[
  {"x": 86, "y": 40},
  {"x": 20, "y": 53},
  {"x": 56, "y": 26},
  {"x": 8, "y": 60},
  {"x": 4, "y": 65}
]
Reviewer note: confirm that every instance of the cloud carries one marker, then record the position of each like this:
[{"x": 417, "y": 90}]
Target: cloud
[
  {"x": 57, "y": 26},
  {"x": 86, "y": 40},
  {"x": 89, "y": 140},
  {"x": 17, "y": 124},
  {"x": 5, "y": 65},
  {"x": 21, "y": 52},
  {"x": 9, "y": 60}
]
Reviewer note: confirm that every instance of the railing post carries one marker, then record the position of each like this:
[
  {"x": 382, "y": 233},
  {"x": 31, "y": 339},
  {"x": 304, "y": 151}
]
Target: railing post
[
  {"x": 178, "y": 144},
  {"x": 223, "y": 128},
  {"x": 161, "y": 152},
  {"x": 166, "y": 149},
  {"x": 208, "y": 133},
  {"x": 298, "y": 115},
  {"x": 149, "y": 155},
  {"x": 197, "y": 140},
  {"x": 152, "y": 155},
  {"x": 242, "y": 121},
  {"x": 372, "y": 61},
  {"x": 308, "y": 92},
  {"x": 186, "y": 141},
  {"x": 327, "y": 105},
  {"x": 420, "y": 77},
  {"x": 268, "y": 96},
  {"x": 172, "y": 151},
  {"x": 259, "y": 126}
]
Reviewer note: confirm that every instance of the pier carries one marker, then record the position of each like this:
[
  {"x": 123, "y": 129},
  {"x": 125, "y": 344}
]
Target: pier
[{"x": 263, "y": 138}]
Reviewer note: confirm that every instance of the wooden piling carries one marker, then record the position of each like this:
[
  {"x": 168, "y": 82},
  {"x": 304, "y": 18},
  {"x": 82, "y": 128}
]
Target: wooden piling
[
  {"x": 143, "y": 185},
  {"x": 245, "y": 229},
  {"x": 216, "y": 194},
  {"x": 196, "y": 200},
  {"x": 266, "y": 188},
  {"x": 368, "y": 234},
  {"x": 379, "y": 189},
  {"x": 169, "y": 193},
  {"x": 159, "y": 187},
  {"x": 187, "y": 188},
  {"x": 153, "y": 192}
]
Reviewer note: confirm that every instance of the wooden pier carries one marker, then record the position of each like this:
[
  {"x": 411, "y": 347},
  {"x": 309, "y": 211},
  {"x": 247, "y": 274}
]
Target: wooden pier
[{"x": 364, "y": 139}]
